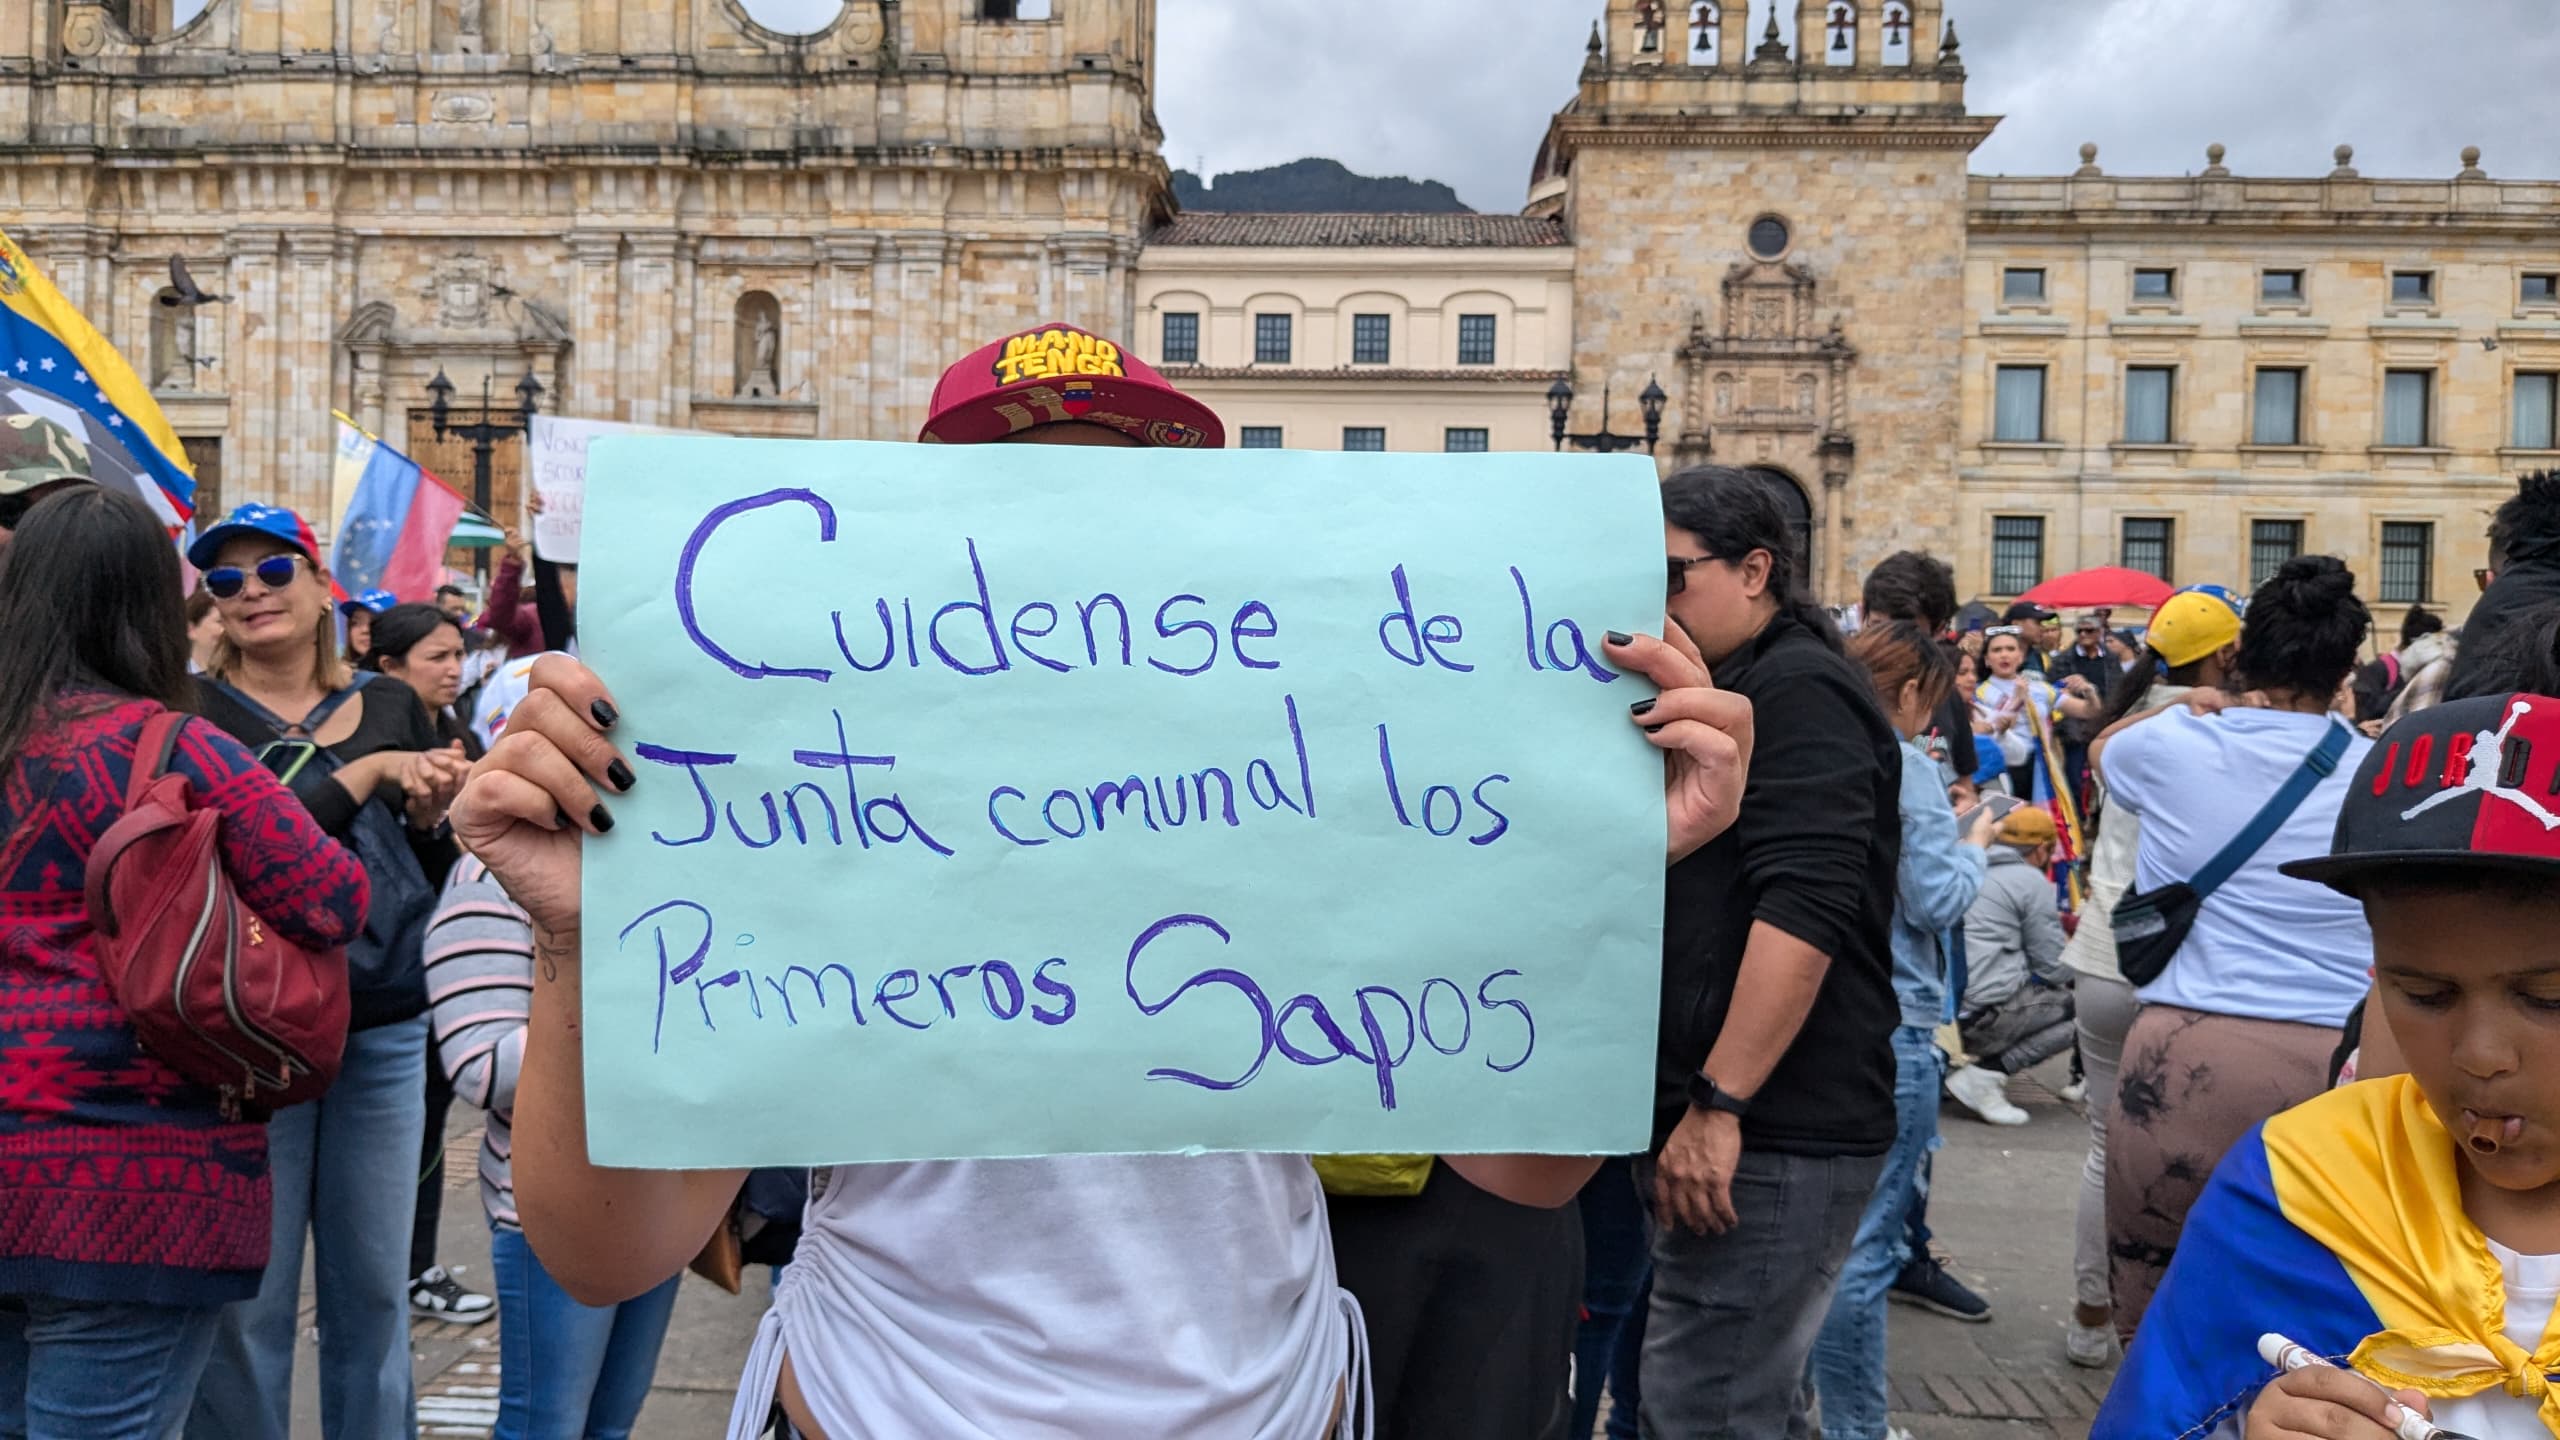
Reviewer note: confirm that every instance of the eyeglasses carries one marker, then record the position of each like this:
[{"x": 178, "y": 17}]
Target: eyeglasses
[
  {"x": 1680, "y": 570},
  {"x": 223, "y": 582}
]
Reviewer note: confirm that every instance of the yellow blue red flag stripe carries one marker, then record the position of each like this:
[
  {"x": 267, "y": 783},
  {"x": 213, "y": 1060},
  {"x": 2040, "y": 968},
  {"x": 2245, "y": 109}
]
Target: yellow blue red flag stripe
[{"x": 46, "y": 342}]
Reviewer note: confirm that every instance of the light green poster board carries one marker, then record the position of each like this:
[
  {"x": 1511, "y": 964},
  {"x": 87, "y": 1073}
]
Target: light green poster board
[{"x": 1002, "y": 801}]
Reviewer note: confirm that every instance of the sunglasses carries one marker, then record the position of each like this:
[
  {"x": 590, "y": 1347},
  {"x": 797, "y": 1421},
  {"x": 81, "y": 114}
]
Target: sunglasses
[
  {"x": 224, "y": 582},
  {"x": 1680, "y": 570}
]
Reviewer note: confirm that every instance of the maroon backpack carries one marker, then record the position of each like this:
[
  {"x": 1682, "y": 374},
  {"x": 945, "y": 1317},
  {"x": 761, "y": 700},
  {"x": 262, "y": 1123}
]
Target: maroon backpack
[{"x": 213, "y": 991}]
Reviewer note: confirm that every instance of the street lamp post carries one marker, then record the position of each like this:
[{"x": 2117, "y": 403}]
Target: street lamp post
[
  {"x": 1604, "y": 440},
  {"x": 483, "y": 433}
]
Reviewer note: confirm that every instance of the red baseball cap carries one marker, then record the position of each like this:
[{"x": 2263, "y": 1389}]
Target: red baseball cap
[
  {"x": 2470, "y": 783},
  {"x": 1058, "y": 373}
]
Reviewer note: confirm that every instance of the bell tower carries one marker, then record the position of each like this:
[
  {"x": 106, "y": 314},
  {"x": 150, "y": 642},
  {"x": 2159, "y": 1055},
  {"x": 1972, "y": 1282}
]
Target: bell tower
[{"x": 1774, "y": 227}]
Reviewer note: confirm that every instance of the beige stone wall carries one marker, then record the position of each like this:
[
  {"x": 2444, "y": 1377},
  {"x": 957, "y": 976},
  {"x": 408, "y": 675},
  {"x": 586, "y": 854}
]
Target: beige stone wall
[
  {"x": 1421, "y": 391},
  {"x": 2474, "y": 239},
  {"x": 579, "y": 189}
]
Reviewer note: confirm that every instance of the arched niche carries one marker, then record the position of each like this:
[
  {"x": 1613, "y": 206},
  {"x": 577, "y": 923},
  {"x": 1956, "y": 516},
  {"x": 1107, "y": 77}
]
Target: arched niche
[{"x": 757, "y": 347}]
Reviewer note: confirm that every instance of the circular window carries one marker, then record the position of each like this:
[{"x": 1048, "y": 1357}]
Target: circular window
[{"x": 1769, "y": 237}]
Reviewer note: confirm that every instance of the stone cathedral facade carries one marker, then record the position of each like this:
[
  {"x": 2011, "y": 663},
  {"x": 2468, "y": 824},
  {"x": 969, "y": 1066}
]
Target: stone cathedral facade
[{"x": 663, "y": 212}]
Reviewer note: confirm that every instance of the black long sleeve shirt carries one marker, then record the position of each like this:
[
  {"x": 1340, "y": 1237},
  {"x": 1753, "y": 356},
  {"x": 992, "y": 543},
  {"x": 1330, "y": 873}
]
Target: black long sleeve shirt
[{"x": 1813, "y": 855}]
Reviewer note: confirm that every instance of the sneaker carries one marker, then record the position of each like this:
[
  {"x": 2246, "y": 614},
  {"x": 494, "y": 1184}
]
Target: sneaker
[
  {"x": 2073, "y": 1093},
  {"x": 439, "y": 1296},
  {"x": 1924, "y": 1282},
  {"x": 2091, "y": 1347},
  {"x": 1986, "y": 1094}
]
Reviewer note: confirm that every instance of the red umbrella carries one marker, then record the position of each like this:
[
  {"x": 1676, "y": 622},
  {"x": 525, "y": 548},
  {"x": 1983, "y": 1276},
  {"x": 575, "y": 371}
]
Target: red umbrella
[{"x": 2106, "y": 585}]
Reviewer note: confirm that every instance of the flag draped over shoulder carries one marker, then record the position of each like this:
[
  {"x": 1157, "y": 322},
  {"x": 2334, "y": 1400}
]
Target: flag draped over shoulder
[
  {"x": 390, "y": 516},
  {"x": 2339, "y": 1224},
  {"x": 47, "y": 343}
]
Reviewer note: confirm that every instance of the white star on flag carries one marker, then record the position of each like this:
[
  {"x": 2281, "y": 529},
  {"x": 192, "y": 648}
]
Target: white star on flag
[
  {"x": 46, "y": 363},
  {"x": 79, "y": 377},
  {"x": 115, "y": 421},
  {"x": 102, "y": 397}
]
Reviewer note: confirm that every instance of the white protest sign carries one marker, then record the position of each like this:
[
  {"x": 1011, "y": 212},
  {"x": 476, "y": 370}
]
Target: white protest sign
[{"x": 555, "y": 452}]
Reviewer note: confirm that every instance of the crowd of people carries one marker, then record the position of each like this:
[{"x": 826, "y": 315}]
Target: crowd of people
[{"x": 2267, "y": 908}]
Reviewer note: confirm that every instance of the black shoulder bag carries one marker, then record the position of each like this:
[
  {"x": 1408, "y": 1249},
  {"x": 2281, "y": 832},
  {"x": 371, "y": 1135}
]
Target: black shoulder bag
[{"x": 2150, "y": 925}]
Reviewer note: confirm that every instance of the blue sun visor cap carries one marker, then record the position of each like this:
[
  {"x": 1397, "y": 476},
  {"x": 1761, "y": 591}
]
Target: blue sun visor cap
[
  {"x": 270, "y": 520},
  {"x": 376, "y": 601}
]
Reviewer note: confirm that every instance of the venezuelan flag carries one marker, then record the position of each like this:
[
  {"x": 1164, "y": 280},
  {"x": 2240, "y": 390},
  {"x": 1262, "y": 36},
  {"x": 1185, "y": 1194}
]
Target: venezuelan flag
[
  {"x": 2338, "y": 1223},
  {"x": 391, "y": 516},
  {"x": 46, "y": 342}
]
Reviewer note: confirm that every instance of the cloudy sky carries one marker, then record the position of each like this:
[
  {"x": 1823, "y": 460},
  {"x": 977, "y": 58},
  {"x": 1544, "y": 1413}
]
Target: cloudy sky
[{"x": 1460, "y": 90}]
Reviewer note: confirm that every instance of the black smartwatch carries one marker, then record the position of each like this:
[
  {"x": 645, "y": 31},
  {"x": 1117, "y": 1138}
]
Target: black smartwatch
[{"x": 1705, "y": 1094}]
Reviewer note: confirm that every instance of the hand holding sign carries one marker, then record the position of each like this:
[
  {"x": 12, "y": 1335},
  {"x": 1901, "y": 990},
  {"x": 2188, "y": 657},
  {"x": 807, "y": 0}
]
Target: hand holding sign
[{"x": 1705, "y": 735}]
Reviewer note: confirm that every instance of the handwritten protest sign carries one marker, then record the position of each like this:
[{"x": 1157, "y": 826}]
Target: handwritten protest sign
[
  {"x": 555, "y": 450},
  {"x": 1001, "y": 801}
]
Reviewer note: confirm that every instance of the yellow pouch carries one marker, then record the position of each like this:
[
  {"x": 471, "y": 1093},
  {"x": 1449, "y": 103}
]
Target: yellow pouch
[{"x": 1369, "y": 1175}]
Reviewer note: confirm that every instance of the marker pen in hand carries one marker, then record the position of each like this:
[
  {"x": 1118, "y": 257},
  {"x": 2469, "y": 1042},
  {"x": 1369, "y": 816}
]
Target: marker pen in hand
[{"x": 2287, "y": 1356}]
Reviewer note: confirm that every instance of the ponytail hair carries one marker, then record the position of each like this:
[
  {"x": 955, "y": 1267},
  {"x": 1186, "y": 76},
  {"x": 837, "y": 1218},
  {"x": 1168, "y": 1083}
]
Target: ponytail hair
[
  {"x": 1896, "y": 653},
  {"x": 1734, "y": 512}
]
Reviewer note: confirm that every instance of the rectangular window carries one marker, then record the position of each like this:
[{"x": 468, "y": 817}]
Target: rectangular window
[
  {"x": 2148, "y": 390},
  {"x": 2148, "y": 546},
  {"x": 2277, "y": 417},
  {"x": 1271, "y": 339},
  {"x": 2408, "y": 562},
  {"x": 2271, "y": 543},
  {"x": 2406, "y": 397},
  {"x": 1364, "y": 437},
  {"x": 1475, "y": 339},
  {"x": 2018, "y": 406},
  {"x": 1369, "y": 339},
  {"x": 2021, "y": 287},
  {"x": 2413, "y": 287},
  {"x": 2151, "y": 284},
  {"x": 2017, "y": 553},
  {"x": 1258, "y": 437},
  {"x": 2540, "y": 288},
  {"x": 2280, "y": 287},
  {"x": 1181, "y": 338},
  {"x": 1466, "y": 440},
  {"x": 2537, "y": 394}
]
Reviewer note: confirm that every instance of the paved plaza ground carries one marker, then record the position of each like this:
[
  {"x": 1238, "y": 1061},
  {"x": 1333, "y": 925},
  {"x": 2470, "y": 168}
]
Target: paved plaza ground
[{"x": 2002, "y": 1211}]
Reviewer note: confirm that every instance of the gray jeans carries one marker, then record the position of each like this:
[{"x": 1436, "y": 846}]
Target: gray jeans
[{"x": 1734, "y": 1316}]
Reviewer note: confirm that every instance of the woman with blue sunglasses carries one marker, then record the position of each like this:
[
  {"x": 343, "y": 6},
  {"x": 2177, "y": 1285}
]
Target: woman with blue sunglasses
[{"x": 358, "y": 750}]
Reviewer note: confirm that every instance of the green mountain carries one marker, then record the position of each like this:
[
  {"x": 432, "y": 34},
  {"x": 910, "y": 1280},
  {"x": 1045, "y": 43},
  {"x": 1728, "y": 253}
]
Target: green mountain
[{"x": 1303, "y": 186}]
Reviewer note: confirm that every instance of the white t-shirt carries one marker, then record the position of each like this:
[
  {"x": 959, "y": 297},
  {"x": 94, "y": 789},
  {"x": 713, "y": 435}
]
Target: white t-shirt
[
  {"x": 2265, "y": 946},
  {"x": 1065, "y": 1298},
  {"x": 2533, "y": 1288}
]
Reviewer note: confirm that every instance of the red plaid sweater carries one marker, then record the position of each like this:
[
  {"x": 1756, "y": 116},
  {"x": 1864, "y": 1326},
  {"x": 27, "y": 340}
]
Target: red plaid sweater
[{"x": 118, "y": 1179}]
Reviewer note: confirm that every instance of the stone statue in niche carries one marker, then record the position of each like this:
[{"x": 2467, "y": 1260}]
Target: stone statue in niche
[
  {"x": 759, "y": 347},
  {"x": 1804, "y": 394},
  {"x": 1724, "y": 394}
]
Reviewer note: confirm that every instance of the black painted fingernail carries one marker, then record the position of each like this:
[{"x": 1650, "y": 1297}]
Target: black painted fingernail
[
  {"x": 1641, "y": 707},
  {"x": 1653, "y": 729},
  {"x": 601, "y": 818},
  {"x": 619, "y": 775},
  {"x": 604, "y": 712},
  {"x": 1620, "y": 637},
  {"x": 563, "y": 817}
]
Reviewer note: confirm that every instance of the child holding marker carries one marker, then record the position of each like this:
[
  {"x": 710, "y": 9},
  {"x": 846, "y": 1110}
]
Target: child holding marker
[{"x": 2406, "y": 1229}]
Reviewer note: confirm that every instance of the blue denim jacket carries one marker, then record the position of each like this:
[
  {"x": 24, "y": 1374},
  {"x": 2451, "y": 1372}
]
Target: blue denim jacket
[{"x": 1935, "y": 885}]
